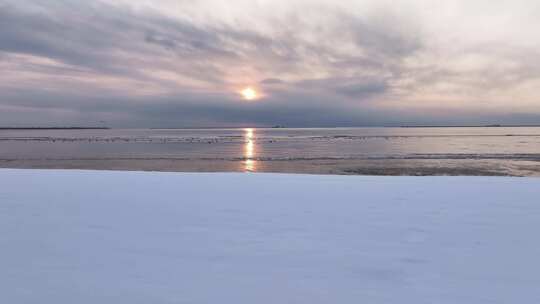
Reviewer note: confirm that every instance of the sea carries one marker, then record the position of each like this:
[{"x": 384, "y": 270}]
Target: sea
[{"x": 372, "y": 151}]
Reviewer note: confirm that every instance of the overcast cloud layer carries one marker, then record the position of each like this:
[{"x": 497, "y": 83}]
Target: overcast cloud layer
[{"x": 182, "y": 63}]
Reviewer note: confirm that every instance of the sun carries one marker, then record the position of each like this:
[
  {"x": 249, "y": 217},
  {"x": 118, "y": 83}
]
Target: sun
[{"x": 249, "y": 93}]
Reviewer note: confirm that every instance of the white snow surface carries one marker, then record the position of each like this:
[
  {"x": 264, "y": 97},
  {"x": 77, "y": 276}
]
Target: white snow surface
[{"x": 134, "y": 237}]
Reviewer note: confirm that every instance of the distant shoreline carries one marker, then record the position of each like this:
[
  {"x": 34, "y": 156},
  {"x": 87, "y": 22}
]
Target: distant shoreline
[
  {"x": 474, "y": 126},
  {"x": 352, "y": 127},
  {"x": 218, "y": 128},
  {"x": 56, "y": 128}
]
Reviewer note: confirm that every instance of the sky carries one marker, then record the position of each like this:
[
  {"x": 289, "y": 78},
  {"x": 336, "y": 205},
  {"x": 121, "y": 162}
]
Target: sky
[{"x": 317, "y": 63}]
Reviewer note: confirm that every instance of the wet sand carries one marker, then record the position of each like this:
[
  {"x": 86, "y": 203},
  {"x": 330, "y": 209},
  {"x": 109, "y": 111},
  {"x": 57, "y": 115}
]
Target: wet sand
[{"x": 340, "y": 167}]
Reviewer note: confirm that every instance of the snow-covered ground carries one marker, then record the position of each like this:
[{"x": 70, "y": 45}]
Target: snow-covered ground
[{"x": 126, "y": 237}]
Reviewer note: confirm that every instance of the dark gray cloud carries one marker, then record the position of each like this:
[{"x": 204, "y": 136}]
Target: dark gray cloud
[
  {"x": 100, "y": 37},
  {"x": 360, "y": 90},
  {"x": 184, "y": 110}
]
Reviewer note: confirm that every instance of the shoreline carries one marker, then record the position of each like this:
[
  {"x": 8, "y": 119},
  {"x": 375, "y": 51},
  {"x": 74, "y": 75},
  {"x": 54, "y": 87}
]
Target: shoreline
[{"x": 424, "y": 167}]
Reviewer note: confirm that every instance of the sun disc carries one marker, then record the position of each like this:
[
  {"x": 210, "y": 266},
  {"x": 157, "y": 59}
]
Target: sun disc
[{"x": 249, "y": 94}]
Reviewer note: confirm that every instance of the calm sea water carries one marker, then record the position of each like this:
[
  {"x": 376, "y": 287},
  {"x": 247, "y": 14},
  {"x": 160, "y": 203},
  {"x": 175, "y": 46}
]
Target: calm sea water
[{"x": 254, "y": 146}]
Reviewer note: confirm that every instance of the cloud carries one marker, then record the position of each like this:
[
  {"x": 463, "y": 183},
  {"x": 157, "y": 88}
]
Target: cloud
[
  {"x": 360, "y": 90},
  {"x": 317, "y": 63},
  {"x": 271, "y": 81}
]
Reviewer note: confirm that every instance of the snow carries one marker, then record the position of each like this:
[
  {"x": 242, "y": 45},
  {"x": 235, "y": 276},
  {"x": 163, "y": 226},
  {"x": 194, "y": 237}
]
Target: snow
[{"x": 134, "y": 237}]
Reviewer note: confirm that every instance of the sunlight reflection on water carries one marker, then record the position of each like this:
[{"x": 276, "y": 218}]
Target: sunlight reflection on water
[{"x": 249, "y": 151}]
